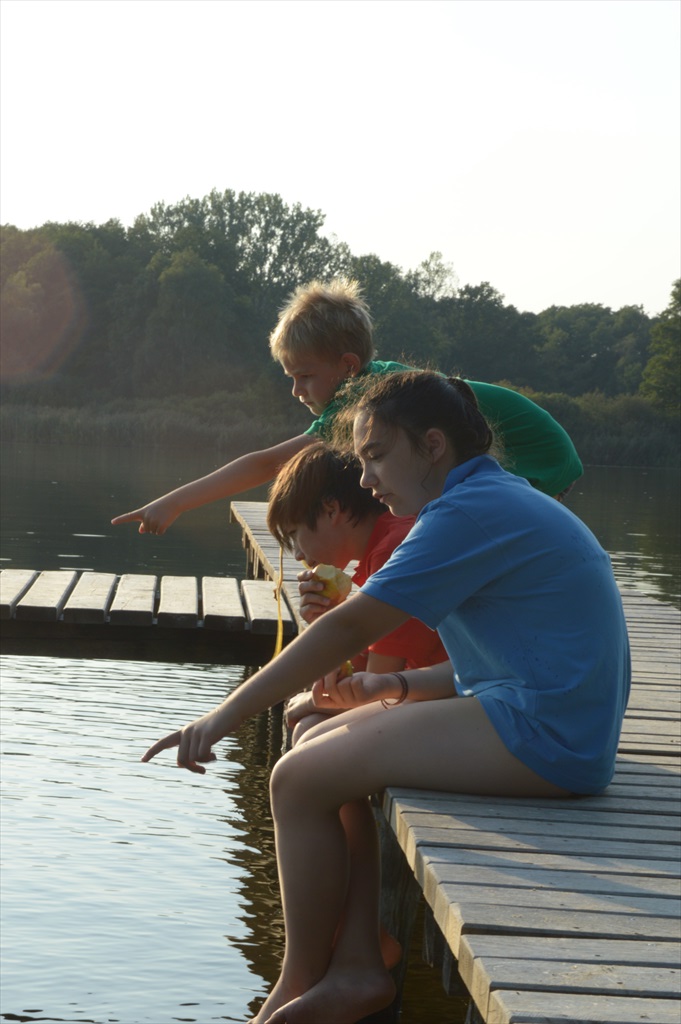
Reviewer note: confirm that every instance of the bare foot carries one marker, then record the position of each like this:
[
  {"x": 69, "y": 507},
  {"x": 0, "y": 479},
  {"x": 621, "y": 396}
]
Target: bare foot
[
  {"x": 341, "y": 997},
  {"x": 278, "y": 997},
  {"x": 391, "y": 950}
]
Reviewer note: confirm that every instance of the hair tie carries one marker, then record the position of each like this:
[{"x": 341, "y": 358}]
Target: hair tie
[{"x": 387, "y": 702}]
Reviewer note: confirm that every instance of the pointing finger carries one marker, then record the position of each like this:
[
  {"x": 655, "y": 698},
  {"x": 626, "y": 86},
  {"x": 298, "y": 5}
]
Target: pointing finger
[{"x": 173, "y": 740}]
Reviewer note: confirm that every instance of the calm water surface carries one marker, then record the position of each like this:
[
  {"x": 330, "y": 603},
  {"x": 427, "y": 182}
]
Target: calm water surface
[{"x": 135, "y": 893}]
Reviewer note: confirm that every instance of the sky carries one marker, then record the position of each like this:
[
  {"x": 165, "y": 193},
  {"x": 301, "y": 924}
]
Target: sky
[{"x": 534, "y": 143}]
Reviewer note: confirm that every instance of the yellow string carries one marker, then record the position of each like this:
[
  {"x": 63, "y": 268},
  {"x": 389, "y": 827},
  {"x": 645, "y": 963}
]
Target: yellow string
[{"x": 279, "y": 643}]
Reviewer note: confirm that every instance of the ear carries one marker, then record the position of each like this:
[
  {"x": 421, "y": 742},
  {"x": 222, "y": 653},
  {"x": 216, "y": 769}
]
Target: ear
[
  {"x": 352, "y": 364},
  {"x": 436, "y": 443}
]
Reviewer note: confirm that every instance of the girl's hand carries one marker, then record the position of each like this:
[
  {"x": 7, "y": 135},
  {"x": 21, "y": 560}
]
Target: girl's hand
[
  {"x": 351, "y": 691},
  {"x": 312, "y": 603},
  {"x": 194, "y": 742},
  {"x": 299, "y": 707}
]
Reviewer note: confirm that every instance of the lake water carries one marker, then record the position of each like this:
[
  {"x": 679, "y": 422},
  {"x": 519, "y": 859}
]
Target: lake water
[{"x": 138, "y": 894}]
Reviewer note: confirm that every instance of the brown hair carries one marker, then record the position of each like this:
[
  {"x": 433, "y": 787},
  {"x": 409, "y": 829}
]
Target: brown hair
[
  {"x": 326, "y": 320},
  {"x": 315, "y": 475},
  {"x": 416, "y": 401}
]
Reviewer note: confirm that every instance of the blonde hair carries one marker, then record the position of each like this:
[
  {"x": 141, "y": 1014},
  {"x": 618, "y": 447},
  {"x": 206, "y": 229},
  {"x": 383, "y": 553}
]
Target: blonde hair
[{"x": 325, "y": 320}]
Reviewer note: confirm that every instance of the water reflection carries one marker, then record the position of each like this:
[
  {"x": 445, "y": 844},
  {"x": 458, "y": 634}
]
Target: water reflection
[
  {"x": 257, "y": 748},
  {"x": 119, "y": 881},
  {"x": 636, "y": 515}
]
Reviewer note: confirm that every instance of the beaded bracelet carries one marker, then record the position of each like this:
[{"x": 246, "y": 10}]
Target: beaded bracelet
[{"x": 387, "y": 703}]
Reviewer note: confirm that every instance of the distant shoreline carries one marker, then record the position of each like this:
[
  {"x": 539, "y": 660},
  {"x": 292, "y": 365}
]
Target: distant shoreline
[{"x": 606, "y": 432}]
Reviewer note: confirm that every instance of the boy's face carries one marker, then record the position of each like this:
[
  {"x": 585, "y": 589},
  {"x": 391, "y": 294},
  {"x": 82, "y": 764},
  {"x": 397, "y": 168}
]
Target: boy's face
[
  {"x": 326, "y": 544},
  {"x": 315, "y": 380}
]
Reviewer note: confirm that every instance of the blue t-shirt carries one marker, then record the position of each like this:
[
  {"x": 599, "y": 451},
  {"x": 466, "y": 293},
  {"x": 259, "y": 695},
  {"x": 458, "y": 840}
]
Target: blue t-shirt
[{"x": 524, "y": 599}]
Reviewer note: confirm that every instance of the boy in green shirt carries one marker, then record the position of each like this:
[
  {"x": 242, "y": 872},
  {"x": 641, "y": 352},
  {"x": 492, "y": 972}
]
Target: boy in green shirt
[{"x": 322, "y": 338}]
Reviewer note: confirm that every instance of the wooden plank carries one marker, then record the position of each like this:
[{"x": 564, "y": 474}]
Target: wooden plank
[
  {"x": 622, "y": 794},
  {"x": 600, "y": 978},
  {"x": 515, "y": 863},
  {"x": 664, "y": 725},
  {"x": 90, "y": 599},
  {"x": 520, "y": 1007},
  {"x": 133, "y": 604},
  {"x": 13, "y": 585},
  {"x": 46, "y": 598},
  {"x": 627, "y": 968},
  {"x": 261, "y": 607},
  {"x": 569, "y": 948},
  {"x": 574, "y": 876},
  {"x": 628, "y": 765},
  {"x": 630, "y": 904},
  {"x": 516, "y": 922},
  {"x": 580, "y": 832},
  {"x": 493, "y": 840},
  {"x": 179, "y": 602},
  {"x": 222, "y": 607},
  {"x": 530, "y": 817}
]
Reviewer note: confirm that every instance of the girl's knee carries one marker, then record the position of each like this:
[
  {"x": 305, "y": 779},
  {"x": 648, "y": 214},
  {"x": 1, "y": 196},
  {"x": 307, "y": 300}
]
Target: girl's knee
[
  {"x": 286, "y": 779},
  {"x": 298, "y": 777},
  {"x": 303, "y": 727}
]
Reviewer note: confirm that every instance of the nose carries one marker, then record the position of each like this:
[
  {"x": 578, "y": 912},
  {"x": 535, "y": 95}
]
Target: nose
[
  {"x": 367, "y": 478},
  {"x": 298, "y": 554},
  {"x": 297, "y": 390}
]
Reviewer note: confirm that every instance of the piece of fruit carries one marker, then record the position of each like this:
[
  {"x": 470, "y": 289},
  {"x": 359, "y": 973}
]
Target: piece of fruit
[{"x": 337, "y": 584}]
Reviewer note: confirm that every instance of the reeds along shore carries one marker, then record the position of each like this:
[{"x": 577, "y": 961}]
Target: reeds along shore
[{"x": 621, "y": 431}]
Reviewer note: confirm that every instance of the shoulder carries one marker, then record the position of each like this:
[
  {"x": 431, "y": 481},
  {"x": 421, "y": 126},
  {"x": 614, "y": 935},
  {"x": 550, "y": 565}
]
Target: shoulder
[{"x": 382, "y": 366}]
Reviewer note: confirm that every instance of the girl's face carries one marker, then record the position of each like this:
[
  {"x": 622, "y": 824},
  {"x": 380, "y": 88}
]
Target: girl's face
[{"x": 400, "y": 477}]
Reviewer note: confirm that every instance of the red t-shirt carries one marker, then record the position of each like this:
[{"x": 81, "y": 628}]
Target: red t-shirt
[{"x": 413, "y": 641}]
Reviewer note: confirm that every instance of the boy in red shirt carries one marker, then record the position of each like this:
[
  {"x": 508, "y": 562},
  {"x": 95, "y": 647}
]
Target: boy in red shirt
[{"x": 318, "y": 510}]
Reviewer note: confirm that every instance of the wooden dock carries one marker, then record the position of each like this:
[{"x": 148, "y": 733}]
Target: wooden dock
[
  {"x": 143, "y": 617},
  {"x": 552, "y": 910}
]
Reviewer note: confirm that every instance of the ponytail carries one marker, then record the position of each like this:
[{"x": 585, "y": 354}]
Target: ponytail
[{"x": 418, "y": 400}]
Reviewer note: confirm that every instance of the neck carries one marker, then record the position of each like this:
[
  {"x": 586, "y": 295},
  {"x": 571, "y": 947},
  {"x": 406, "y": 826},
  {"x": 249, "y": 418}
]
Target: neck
[{"x": 361, "y": 532}]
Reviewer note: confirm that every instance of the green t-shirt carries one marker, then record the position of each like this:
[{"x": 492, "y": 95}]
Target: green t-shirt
[{"x": 535, "y": 446}]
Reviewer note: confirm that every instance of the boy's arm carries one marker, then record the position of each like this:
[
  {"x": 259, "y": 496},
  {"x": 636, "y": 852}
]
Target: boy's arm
[{"x": 237, "y": 476}]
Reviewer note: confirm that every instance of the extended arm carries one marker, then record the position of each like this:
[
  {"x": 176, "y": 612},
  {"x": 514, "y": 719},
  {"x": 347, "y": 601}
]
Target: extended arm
[
  {"x": 345, "y": 630},
  {"x": 237, "y": 476}
]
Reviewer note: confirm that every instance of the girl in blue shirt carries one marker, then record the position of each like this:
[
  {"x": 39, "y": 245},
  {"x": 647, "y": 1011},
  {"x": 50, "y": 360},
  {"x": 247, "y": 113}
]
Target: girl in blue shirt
[{"x": 530, "y": 704}]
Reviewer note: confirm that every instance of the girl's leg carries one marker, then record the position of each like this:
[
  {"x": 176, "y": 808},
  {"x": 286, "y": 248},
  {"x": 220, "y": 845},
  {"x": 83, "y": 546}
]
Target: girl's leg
[
  {"x": 446, "y": 745},
  {"x": 353, "y": 818}
]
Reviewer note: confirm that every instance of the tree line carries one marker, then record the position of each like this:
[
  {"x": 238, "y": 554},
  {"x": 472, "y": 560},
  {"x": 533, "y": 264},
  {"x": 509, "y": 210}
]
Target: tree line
[{"x": 165, "y": 323}]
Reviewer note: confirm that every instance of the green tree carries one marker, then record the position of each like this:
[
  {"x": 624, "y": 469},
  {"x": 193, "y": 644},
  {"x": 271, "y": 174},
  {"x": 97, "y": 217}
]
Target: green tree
[
  {"x": 632, "y": 329},
  {"x": 403, "y": 328},
  {"x": 188, "y": 344},
  {"x": 587, "y": 348},
  {"x": 43, "y": 314},
  {"x": 661, "y": 383},
  {"x": 433, "y": 278},
  {"x": 486, "y": 339}
]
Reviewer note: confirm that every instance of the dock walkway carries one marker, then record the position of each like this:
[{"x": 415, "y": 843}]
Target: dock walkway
[
  {"x": 144, "y": 617},
  {"x": 554, "y": 910}
]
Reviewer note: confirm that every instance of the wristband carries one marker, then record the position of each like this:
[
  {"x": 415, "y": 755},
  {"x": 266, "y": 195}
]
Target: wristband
[{"x": 387, "y": 703}]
